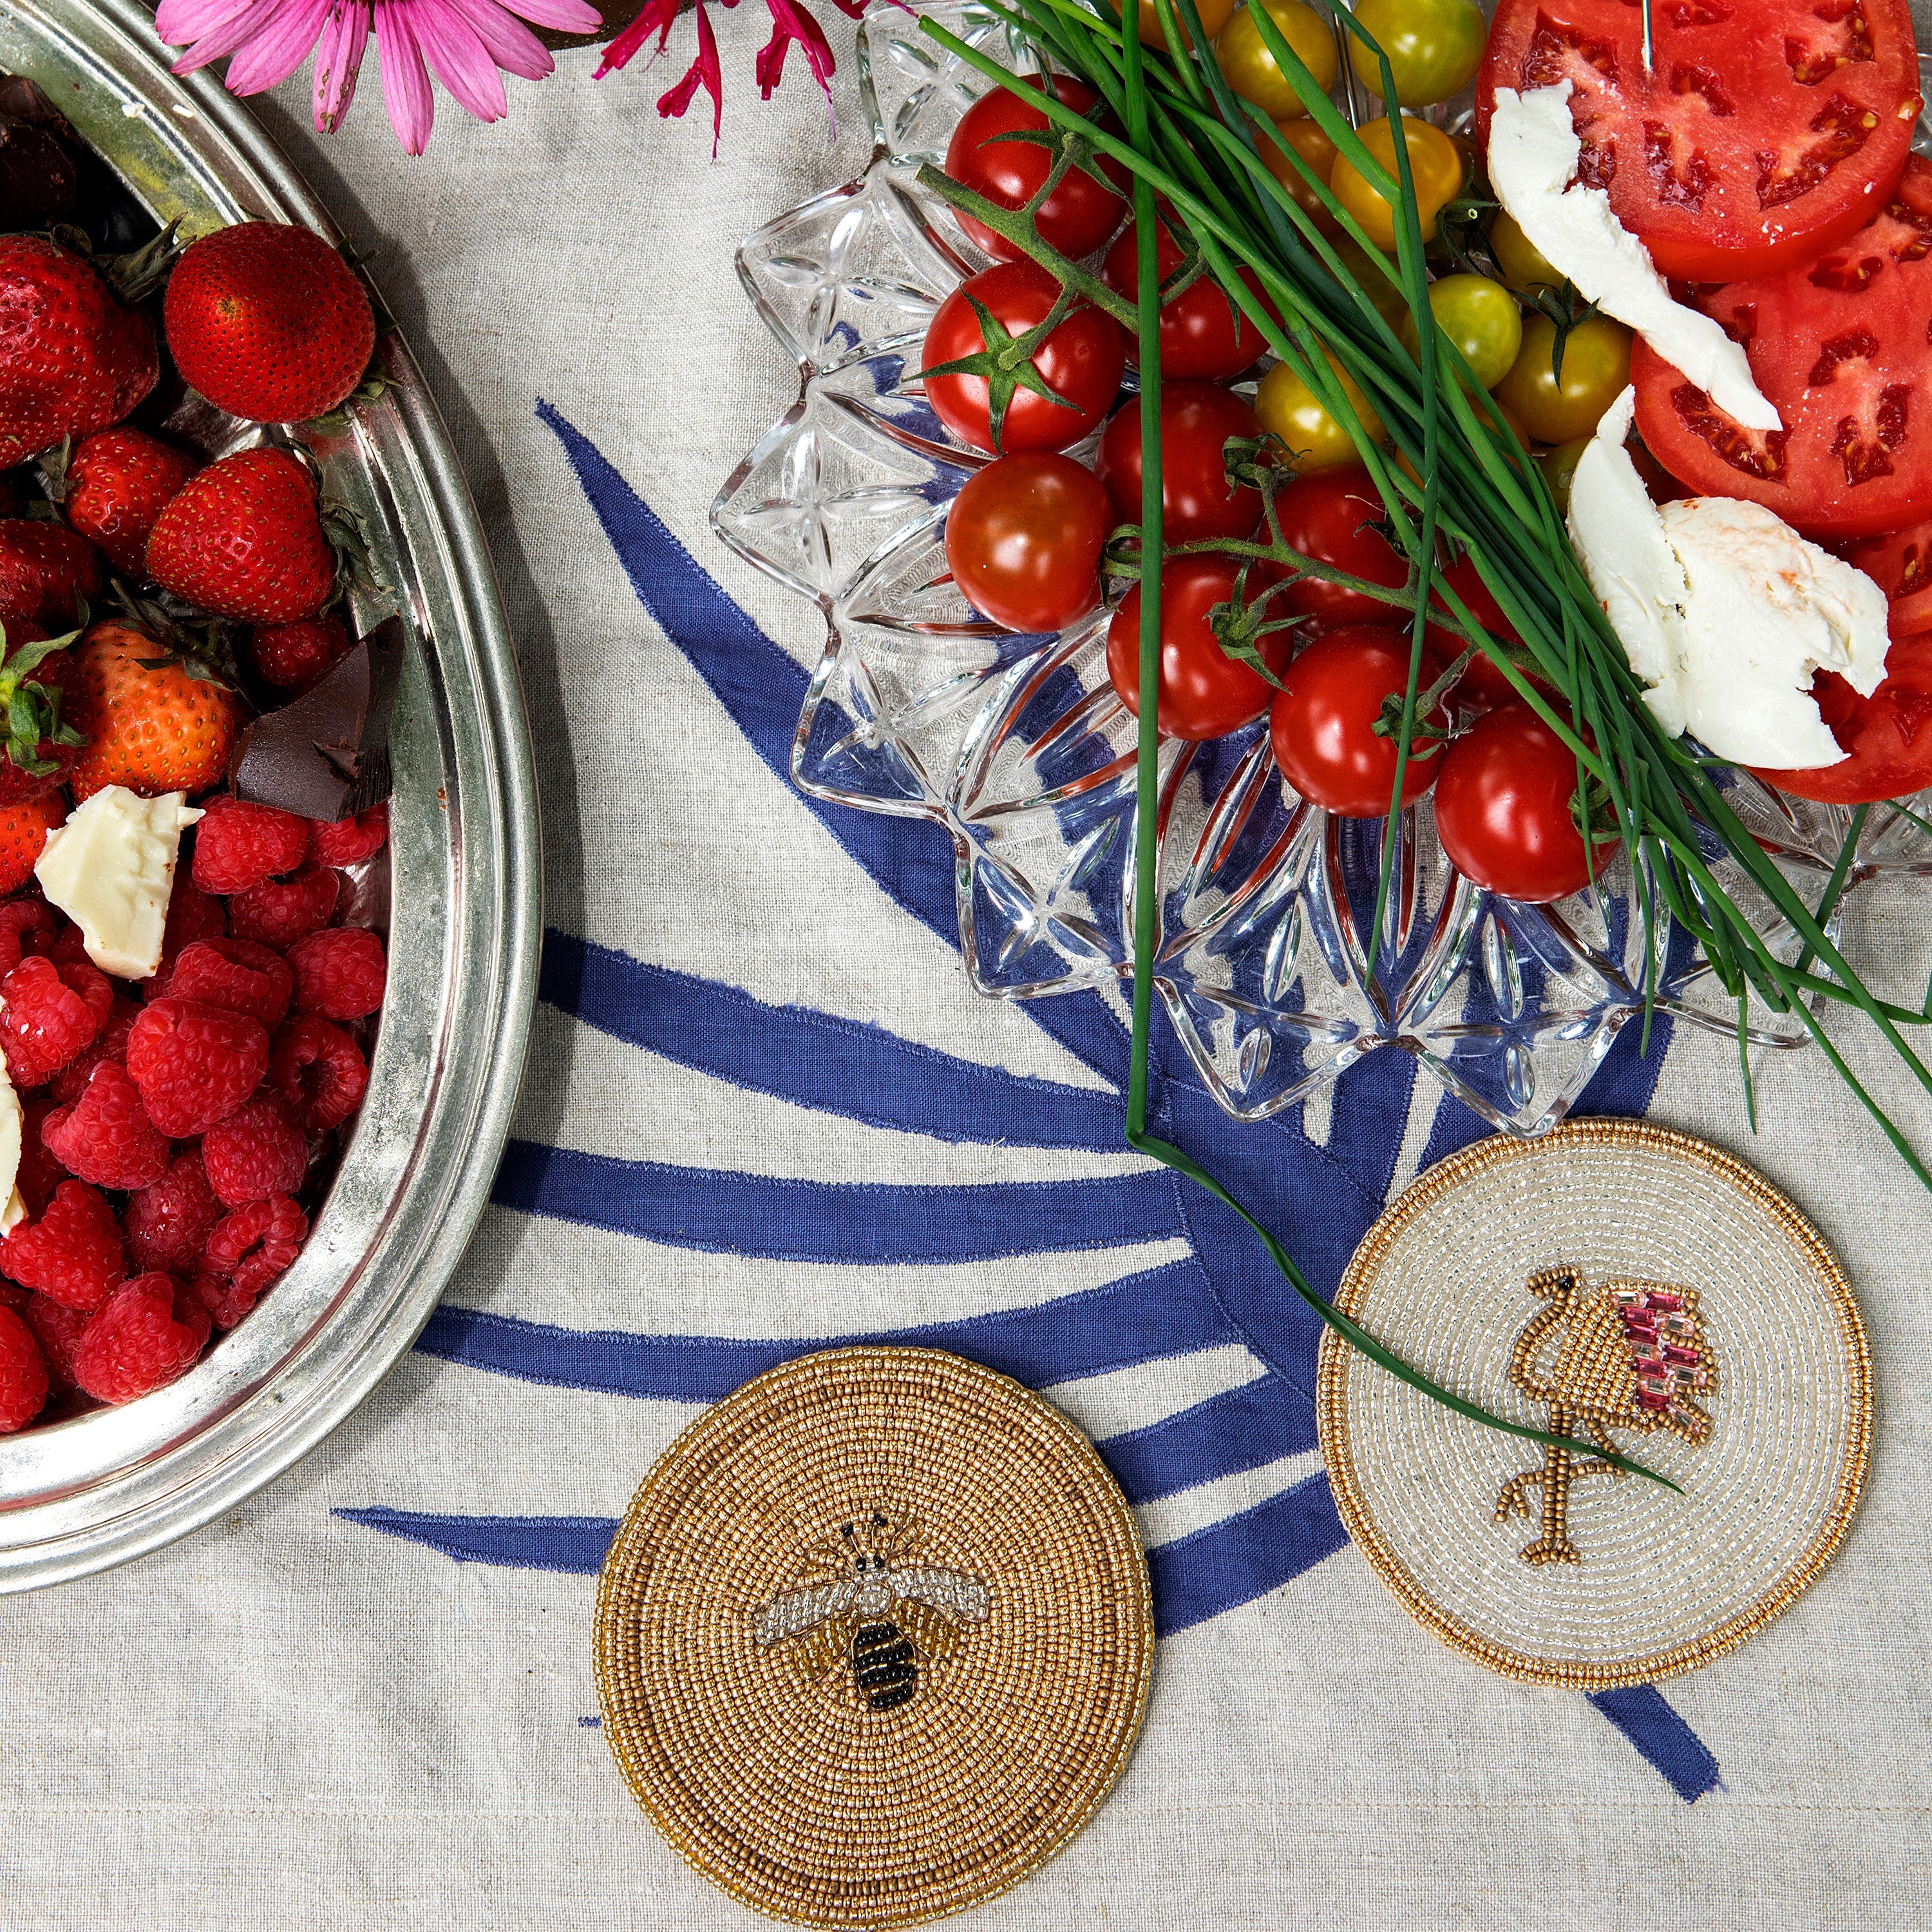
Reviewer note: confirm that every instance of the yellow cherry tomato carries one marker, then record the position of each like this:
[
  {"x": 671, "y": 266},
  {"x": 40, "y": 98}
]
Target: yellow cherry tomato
[
  {"x": 1318, "y": 151},
  {"x": 1519, "y": 258},
  {"x": 1480, "y": 317},
  {"x": 1433, "y": 162},
  {"x": 1213, "y": 17},
  {"x": 1315, "y": 440},
  {"x": 1434, "y": 47},
  {"x": 1559, "y": 468},
  {"x": 1596, "y": 367},
  {"x": 1251, "y": 69},
  {"x": 1487, "y": 409},
  {"x": 1384, "y": 296}
]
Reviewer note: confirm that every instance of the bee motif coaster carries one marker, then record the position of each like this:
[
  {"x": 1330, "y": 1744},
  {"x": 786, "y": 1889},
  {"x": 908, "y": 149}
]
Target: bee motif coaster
[
  {"x": 873, "y": 1640},
  {"x": 1642, "y": 1294}
]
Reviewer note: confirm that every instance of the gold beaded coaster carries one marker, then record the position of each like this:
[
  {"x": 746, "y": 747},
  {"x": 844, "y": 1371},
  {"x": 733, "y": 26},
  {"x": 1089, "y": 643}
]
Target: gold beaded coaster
[
  {"x": 1628, "y": 1288},
  {"x": 873, "y": 1640}
]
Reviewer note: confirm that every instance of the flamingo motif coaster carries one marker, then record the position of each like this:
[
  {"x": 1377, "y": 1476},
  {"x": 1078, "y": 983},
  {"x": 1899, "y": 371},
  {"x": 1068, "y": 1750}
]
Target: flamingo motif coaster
[{"x": 1645, "y": 1296}]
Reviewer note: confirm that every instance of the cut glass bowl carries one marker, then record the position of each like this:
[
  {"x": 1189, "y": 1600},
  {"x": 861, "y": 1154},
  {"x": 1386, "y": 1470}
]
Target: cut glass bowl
[{"x": 1019, "y": 747}]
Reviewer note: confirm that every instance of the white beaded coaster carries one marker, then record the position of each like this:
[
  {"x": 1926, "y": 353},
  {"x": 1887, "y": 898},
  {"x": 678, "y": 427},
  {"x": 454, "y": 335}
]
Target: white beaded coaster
[{"x": 1616, "y": 1283}]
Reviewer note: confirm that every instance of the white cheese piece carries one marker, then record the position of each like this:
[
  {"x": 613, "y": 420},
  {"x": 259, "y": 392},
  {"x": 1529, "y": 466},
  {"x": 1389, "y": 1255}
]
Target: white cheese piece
[
  {"x": 111, "y": 869},
  {"x": 1534, "y": 152},
  {"x": 11, "y": 1122},
  {"x": 1723, "y": 610},
  {"x": 14, "y": 1213}
]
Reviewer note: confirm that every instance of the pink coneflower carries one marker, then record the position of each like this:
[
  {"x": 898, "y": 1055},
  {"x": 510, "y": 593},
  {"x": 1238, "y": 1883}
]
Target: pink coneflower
[{"x": 470, "y": 45}]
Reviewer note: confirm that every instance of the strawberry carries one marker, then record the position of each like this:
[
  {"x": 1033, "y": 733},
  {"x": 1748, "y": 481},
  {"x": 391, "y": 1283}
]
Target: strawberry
[
  {"x": 23, "y": 832},
  {"x": 267, "y": 322},
  {"x": 42, "y": 713},
  {"x": 43, "y": 569},
  {"x": 72, "y": 358},
  {"x": 243, "y": 538},
  {"x": 116, "y": 484},
  {"x": 161, "y": 723}
]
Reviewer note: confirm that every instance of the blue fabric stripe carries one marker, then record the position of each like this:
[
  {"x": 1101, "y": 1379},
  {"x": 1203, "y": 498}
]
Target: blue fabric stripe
[
  {"x": 1243, "y": 1557},
  {"x": 1242, "y": 1428},
  {"x": 1144, "y": 1317},
  {"x": 1664, "y": 1740},
  {"x": 831, "y": 1221},
  {"x": 834, "y": 1066},
  {"x": 575, "y": 1544}
]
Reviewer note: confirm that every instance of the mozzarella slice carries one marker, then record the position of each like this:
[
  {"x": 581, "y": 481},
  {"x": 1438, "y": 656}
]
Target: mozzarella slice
[
  {"x": 1534, "y": 153},
  {"x": 1723, "y": 610},
  {"x": 111, "y": 869}
]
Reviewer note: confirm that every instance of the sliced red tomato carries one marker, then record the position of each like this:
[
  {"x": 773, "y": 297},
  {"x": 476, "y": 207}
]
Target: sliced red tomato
[
  {"x": 1840, "y": 347},
  {"x": 1764, "y": 133},
  {"x": 1900, "y": 565},
  {"x": 1887, "y": 736}
]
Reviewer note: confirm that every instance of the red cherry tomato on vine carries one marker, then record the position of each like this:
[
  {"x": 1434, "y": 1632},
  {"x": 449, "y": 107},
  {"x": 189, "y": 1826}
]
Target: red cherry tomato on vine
[
  {"x": 1204, "y": 692},
  {"x": 1889, "y": 735},
  {"x": 1081, "y": 362},
  {"x": 1503, "y": 809},
  {"x": 1075, "y": 218},
  {"x": 1023, "y": 538},
  {"x": 1335, "y": 517},
  {"x": 1323, "y": 723},
  {"x": 1203, "y": 333},
  {"x": 1196, "y": 420},
  {"x": 1484, "y": 685}
]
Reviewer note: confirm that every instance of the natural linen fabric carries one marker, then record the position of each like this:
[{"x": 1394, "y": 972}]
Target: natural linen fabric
[{"x": 293, "y": 1721}]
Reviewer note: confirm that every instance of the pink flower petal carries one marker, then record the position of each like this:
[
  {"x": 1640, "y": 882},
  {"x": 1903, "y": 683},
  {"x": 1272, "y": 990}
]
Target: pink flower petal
[
  {"x": 567, "y": 16},
  {"x": 405, "y": 91},
  {"x": 272, "y": 55},
  {"x": 658, "y": 17},
  {"x": 225, "y": 39},
  {"x": 703, "y": 72},
  {"x": 462, "y": 62},
  {"x": 512, "y": 44},
  {"x": 338, "y": 59},
  {"x": 178, "y": 21}
]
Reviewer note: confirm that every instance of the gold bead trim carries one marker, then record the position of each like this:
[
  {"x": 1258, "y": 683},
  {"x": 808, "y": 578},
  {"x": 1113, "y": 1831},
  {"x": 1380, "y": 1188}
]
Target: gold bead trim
[
  {"x": 1337, "y": 1362},
  {"x": 873, "y": 1641}
]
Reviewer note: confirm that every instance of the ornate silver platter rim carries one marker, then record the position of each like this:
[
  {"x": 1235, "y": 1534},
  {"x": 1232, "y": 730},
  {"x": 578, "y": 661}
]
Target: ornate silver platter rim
[{"x": 85, "y": 1494}]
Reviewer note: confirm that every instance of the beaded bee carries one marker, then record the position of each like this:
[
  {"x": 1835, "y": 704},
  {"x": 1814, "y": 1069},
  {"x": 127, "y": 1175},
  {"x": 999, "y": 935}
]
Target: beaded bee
[{"x": 871, "y": 1610}]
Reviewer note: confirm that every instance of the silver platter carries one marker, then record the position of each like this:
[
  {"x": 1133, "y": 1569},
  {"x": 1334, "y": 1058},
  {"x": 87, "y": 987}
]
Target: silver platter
[{"x": 465, "y": 887}]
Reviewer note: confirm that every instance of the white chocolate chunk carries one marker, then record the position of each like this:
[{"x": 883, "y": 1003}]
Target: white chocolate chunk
[{"x": 111, "y": 869}]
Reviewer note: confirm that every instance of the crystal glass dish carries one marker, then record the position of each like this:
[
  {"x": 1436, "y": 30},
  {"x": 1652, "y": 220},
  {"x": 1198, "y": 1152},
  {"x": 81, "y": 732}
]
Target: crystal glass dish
[{"x": 1019, "y": 745}]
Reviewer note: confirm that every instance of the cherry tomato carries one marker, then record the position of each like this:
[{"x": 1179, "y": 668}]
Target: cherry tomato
[
  {"x": 1503, "y": 807},
  {"x": 1213, "y": 17},
  {"x": 1197, "y": 420},
  {"x": 1203, "y": 332},
  {"x": 1435, "y": 165},
  {"x": 1596, "y": 367},
  {"x": 1252, "y": 71},
  {"x": 1023, "y": 540},
  {"x": 1434, "y": 47},
  {"x": 1204, "y": 692},
  {"x": 1900, "y": 565},
  {"x": 1314, "y": 439},
  {"x": 1080, "y": 360},
  {"x": 1759, "y": 134},
  {"x": 1075, "y": 218},
  {"x": 1480, "y": 318},
  {"x": 1839, "y": 347},
  {"x": 1888, "y": 736},
  {"x": 1336, "y": 518},
  {"x": 1322, "y": 724},
  {"x": 1484, "y": 685},
  {"x": 1319, "y": 151},
  {"x": 1519, "y": 259}
]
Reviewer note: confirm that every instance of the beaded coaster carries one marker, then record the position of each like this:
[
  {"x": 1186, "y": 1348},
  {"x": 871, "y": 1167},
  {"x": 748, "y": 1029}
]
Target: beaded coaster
[
  {"x": 873, "y": 1640},
  {"x": 1625, "y": 1286}
]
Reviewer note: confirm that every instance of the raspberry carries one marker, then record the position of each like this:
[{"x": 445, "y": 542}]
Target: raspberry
[
  {"x": 318, "y": 1071},
  {"x": 167, "y": 1224},
  {"x": 238, "y": 845},
  {"x": 349, "y": 840},
  {"x": 109, "y": 1043},
  {"x": 25, "y": 927},
  {"x": 146, "y": 1336},
  {"x": 251, "y": 1248},
  {"x": 289, "y": 654},
  {"x": 40, "y": 1171},
  {"x": 105, "y": 1136},
  {"x": 72, "y": 1254},
  {"x": 57, "y": 1327},
  {"x": 236, "y": 975},
  {"x": 340, "y": 973},
  {"x": 194, "y": 1064},
  {"x": 280, "y": 911},
  {"x": 14, "y": 1297},
  {"x": 48, "y": 1013},
  {"x": 257, "y": 1151},
  {"x": 193, "y": 914},
  {"x": 23, "y": 1374}
]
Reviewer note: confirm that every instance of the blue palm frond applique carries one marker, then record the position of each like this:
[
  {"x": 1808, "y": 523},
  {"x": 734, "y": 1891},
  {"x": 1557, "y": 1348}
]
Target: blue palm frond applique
[{"x": 1224, "y": 1291}]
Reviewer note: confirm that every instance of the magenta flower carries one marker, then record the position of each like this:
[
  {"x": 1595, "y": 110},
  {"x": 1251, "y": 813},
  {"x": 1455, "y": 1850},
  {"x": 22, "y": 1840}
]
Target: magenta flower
[{"x": 469, "y": 44}]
